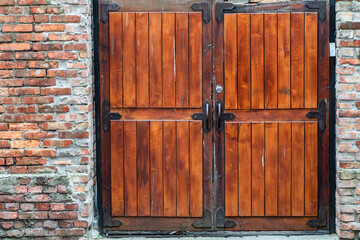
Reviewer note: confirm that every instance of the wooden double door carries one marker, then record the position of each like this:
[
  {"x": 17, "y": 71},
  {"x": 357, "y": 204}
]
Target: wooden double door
[{"x": 214, "y": 116}]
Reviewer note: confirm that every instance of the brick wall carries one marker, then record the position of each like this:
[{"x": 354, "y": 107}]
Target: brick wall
[
  {"x": 46, "y": 118},
  {"x": 348, "y": 121}
]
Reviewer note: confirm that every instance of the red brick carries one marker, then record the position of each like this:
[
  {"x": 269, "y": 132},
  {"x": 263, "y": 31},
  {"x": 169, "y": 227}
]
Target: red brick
[
  {"x": 30, "y": 55},
  {"x": 18, "y": 28},
  {"x": 38, "y": 198},
  {"x": 55, "y": 91},
  {"x": 53, "y": 109},
  {"x": 25, "y": 19},
  {"x": 63, "y": 215},
  {"x": 24, "y": 91},
  {"x": 50, "y": 28},
  {"x": 21, "y": 109},
  {"x": 40, "y": 82},
  {"x": 42, "y": 169},
  {"x": 6, "y": 225},
  {"x": 63, "y": 73},
  {"x": 39, "y": 135},
  {"x": 11, "y": 153},
  {"x": 43, "y": 64},
  {"x": 15, "y": 46},
  {"x": 30, "y": 161},
  {"x": 57, "y": 126},
  {"x": 34, "y": 37},
  {"x": 31, "y": 2},
  {"x": 65, "y": 19},
  {"x": 7, "y": 2},
  {"x": 37, "y": 100},
  {"x": 38, "y": 117},
  {"x": 57, "y": 143},
  {"x": 27, "y": 207},
  {"x": 69, "y": 232},
  {"x": 24, "y": 126},
  {"x": 47, "y": 46},
  {"x": 61, "y": 55},
  {"x": 8, "y": 215},
  {"x": 30, "y": 73},
  {"x": 63, "y": 37},
  {"x": 11, "y": 198},
  {"x": 25, "y": 144},
  {"x": 11, "y": 82},
  {"x": 40, "y": 152},
  {"x": 7, "y": 56},
  {"x": 4, "y": 144},
  {"x": 17, "y": 169},
  {"x": 42, "y": 206},
  {"x": 12, "y": 206},
  {"x": 41, "y": 18},
  {"x": 21, "y": 189},
  {"x": 12, "y": 65},
  {"x": 10, "y": 135},
  {"x": 33, "y": 215}
]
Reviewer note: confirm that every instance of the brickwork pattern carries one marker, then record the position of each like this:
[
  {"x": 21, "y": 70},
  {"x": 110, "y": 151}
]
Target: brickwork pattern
[
  {"x": 348, "y": 121},
  {"x": 46, "y": 119}
]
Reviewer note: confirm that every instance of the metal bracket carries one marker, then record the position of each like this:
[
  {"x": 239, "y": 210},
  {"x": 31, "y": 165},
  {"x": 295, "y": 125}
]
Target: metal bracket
[
  {"x": 220, "y": 7},
  {"x": 221, "y": 222},
  {"x": 320, "y": 6},
  {"x": 108, "y": 116},
  {"x": 222, "y": 116},
  {"x": 321, "y": 221},
  {"x": 105, "y": 8},
  {"x": 107, "y": 221},
  {"x": 204, "y": 223},
  {"x": 205, "y": 8},
  {"x": 320, "y": 115},
  {"x": 205, "y": 116}
]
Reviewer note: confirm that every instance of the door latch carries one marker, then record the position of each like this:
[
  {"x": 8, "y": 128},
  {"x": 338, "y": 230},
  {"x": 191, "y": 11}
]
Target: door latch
[
  {"x": 221, "y": 117},
  {"x": 107, "y": 116},
  {"x": 320, "y": 115},
  {"x": 205, "y": 116}
]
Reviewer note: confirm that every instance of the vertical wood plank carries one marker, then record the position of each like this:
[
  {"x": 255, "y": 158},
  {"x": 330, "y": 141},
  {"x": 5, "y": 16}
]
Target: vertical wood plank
[
  {"x": 182, "y": 168},
  {"x": 117, "y": 168},
  {"x": 244, "y": 73},
  {"x": 284, "y": 169},
  {"x": 231, "y": 169},
  {"x": 130, "y": 166},
  {"x": 311, "y": 169},
  {"x": 257, "y": 61},
  {"x": 143, "y": 165},
  {"x": 284, "y": 60},
  {"x": 142, "y": 59},
  {"x": 196, "y": 169},
  {"x": 230, "y": 61},
  {"x": 168, "y": 59},
  {"x": 116, "y": 61},
  {"x": 195, "y": 60},
  {"x": 297, "y": 60},
  {"x": 270, "y": 32},
  {"x": 182, "y": 58},
  {"x": 169, "y": 168},
  {"x": 311, "y": 60},
  {"x": 244, "y": 166},
  {"x": 297, "y": 181},
  {"x": 271, "y": 169},
  {"x": 155, "y": 55},
  {"x": 129, "y": 79},
  {"x": 258, "y": 167},
  {"x": 156, "y": 164}
]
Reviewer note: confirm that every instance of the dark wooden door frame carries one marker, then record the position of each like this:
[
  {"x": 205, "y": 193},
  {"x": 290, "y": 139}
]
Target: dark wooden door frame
[{"x": 99, "y": 143}]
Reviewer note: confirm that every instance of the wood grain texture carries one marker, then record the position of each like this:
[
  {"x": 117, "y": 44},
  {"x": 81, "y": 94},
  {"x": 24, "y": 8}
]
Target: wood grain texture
[
  {"x": 182, "y": 60},
  {"x": 129, "y": 78},
  {"x": 297, "y": 60},
  {"x": 244, "y": 74},
  {"x": 130, "y": 169},
  {"x": 231, "y": 169},
  {"x": 230, "y": 61},
  {"x": 142, "y": 59},
  {"x": 155, "y": 61},
  {"x": 182, "y": 169},
  {"x": 117, "y": 168},
  {"x": 297, "y": 173},
  {"x": 195, "y": 60},
  {"x": 270, "y": 34},
  {"x": 284, "y": 70},
  {"x": 311, "y": 169},
  {"x": 284, "y": 196},
  {"x": 311, "y": 36},
  {"x": 271, "y": 169},
  {"x": 116, "y": 61},
  {"x": 143, "y": 167},
  {"x": 258, "y": 168},
  {"x": 169, "y": 168},
  {"x": 257, "y": 61},
  {"x": 156, "y": 168},
  {"x": 244, "y": 168},
  {"x": 168, "y": 59},
  {"x": 196, "y": 169}
]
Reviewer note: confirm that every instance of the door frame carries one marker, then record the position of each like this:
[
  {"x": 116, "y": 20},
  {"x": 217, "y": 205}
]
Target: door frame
[{"x": 99, "y": 168}]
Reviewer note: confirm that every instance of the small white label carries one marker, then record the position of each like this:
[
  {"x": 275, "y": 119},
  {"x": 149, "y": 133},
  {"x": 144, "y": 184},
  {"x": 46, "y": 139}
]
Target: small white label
[{"x": 332, "y": 49}]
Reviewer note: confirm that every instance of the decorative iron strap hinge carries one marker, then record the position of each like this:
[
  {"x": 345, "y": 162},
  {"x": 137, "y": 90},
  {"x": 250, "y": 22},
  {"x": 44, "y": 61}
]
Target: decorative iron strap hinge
[
  {"x": 205, "y": 8},
  {"x": 221, "y": 117},
  {"x": 320, "y": 115},
  {"x": 221, "y": 222},
  {"x": 205, "y": 116},
  {"x": 206, "y": 222},
  {"x": 320, "y": 6},
  {"x": 321, "y": 221},
  {"x": 108, "y": 116},
  {"x": 107, "y": 221},
  {"x": 105, "y": 8},
  {"x": 220, "y": 7}
]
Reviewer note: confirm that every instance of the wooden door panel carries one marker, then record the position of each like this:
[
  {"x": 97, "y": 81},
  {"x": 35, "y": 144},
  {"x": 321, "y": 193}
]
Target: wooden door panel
[
  {"x": 268, "y": 166},
  {"x": 280, "y": 71},
  {"x": 157, "y": 168}
]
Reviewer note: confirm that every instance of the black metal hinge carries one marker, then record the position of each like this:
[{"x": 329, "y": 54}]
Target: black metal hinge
[
  {"x": 220, "y": 7},
  {"x": 205, "y": 8},
  {"x": 321, "y": 221},
  {"x": 205, "y": 116},
  {"x": 221, "y": 222},
  {"x": 320, "y": 115},
  {"x": 107, "y": 221},
  {"x": 105, "y": 8},
  {"x": 206, "y": 222},
  {"x": 108, "y": 116}
]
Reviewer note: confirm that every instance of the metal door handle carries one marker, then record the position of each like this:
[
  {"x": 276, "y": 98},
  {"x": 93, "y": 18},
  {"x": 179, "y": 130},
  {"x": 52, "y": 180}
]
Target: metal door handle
[
  {"x": 221, "y": 116},
  {"x": 205, "y": 116}
]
